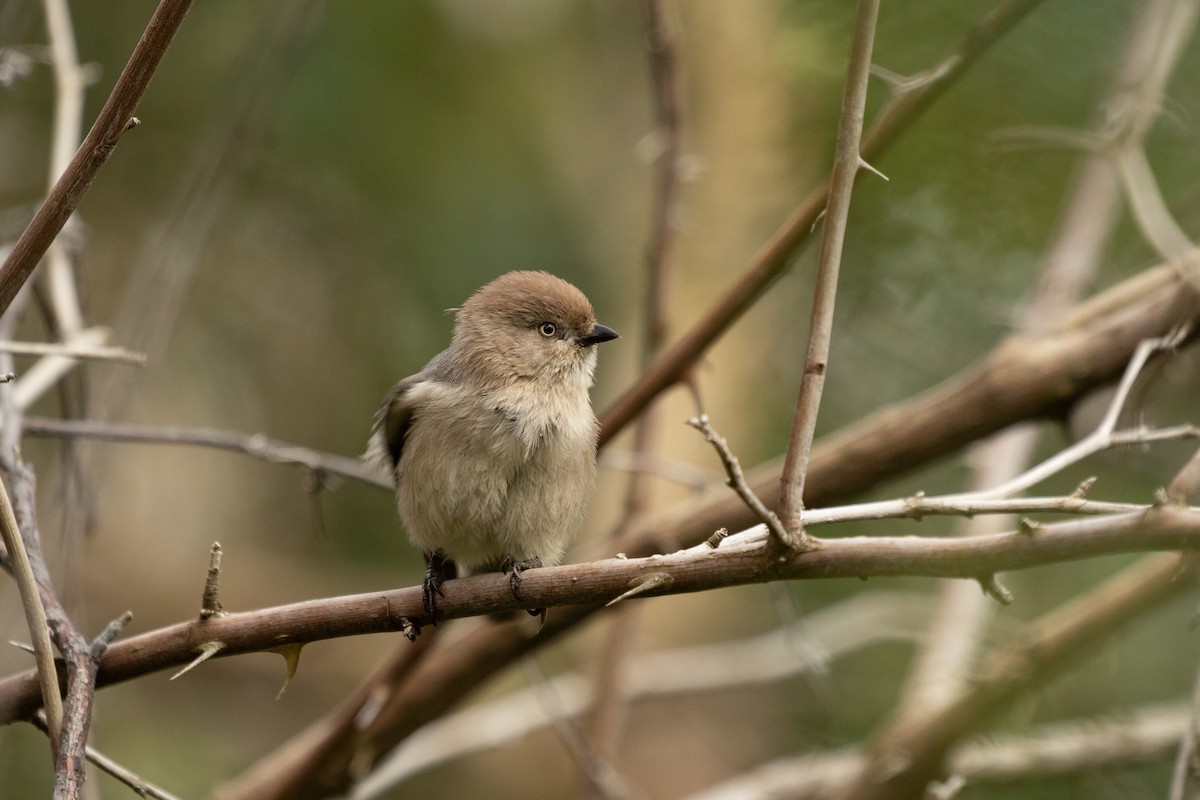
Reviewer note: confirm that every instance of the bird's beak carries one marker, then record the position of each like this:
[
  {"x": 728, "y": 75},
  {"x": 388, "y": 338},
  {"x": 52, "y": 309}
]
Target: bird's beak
[{"x": 600, "y": 333}]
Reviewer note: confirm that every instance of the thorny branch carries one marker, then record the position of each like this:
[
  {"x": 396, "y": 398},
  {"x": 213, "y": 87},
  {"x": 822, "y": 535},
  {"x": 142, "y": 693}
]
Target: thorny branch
[{"x": 846, "y": 163}]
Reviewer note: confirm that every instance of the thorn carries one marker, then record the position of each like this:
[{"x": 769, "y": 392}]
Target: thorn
[
  {"x": 995, "y": 590},
  {"x": 718, "y": 536},
  {"x": 1083, "y": 488},
  {"x": 291, "y": 656},
  {"x": 8, "y": 377},
  {"x": 210, "y": 606},
  {"x": 1161, "y": 497},
  {"x": 28, "y": 648},
  {"x": 207, "y": 651},
  {"x": 817, "y": 221},
  {"x": 643, "y": 584},
  {"x": 862, "y": 164},
  {"x": 106, "y": 637},
  {"x": 1028, "y": 527}
]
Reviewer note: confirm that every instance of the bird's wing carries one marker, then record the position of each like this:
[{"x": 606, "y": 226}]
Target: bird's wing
[
  {"x": 395, "y": 419},
  {"x": 392, "y": 423}
]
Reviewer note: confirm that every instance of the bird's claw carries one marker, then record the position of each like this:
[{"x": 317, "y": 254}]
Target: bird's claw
[
  {"x": 431, "y": 587},
  {"x": 513, "y": 568}
]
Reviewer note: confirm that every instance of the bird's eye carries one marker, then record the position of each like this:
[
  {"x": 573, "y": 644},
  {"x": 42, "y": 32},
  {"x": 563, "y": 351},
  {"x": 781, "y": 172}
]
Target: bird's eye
[{"x": 547, "y": 329}]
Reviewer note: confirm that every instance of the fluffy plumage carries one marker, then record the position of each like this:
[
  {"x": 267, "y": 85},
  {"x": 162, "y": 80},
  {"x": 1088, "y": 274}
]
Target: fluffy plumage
[{"x": 492, "y": 445}]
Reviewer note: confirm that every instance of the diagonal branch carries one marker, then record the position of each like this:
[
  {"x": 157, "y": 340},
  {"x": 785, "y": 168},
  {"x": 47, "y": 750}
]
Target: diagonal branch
[
  {"x": 846, "y": 162},
  {"x": 116, "y": 117}
]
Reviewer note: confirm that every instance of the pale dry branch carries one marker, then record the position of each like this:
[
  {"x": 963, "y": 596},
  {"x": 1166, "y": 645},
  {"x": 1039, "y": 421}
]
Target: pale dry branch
[
  {"x": 1105, "y": 435},
  {"x": 1075, "y": 747},
  {"x": 914, "y": 752},
  {"x": 119, "y": 355}
]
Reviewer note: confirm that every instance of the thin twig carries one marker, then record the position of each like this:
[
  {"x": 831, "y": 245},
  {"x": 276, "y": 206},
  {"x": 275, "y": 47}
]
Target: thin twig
[
  {"x": 254, "y": 445},
  {"x": 736, "y": 479},
  {"x": 1104, "y": 436},
  {"x": 49, "y": 370},
  {"x": 846, "y": 162},
  {"x": 120, "y": 355}
]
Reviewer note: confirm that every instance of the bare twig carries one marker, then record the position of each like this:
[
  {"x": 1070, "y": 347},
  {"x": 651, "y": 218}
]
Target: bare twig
[
  {"x": 254, "y": 445},
  {"x": 120, "y": 355},
  {"x": 113, "y": 121},
  {"x": 1105, "y": 435},
  {"x": 846, "y": 162},
  {"x": 736, "y": 479},
  {"x": 49, "y": 370}
]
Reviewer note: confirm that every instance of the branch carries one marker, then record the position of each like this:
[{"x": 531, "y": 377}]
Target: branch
[
  {"x": 1075, "y": 747},
  {"x": 846, "y": 162},
  {"x": 115, "y": 118},
  {"x": 838, "y": 630},
  {"x": 742, "y": 559},
  {"x": 120, "y": 355},
  {"x": 1024, "y": 377},
  {"x": 912, "y": 754},
  {"x": 253, "y": 445},
  {"x": 774, "y": 256}
]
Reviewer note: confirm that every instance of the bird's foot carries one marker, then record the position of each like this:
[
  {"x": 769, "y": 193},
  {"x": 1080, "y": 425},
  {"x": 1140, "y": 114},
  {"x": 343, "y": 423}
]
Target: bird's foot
[
  {"x": 513, "y": 568},
  {"x": 438, "y": 569}
]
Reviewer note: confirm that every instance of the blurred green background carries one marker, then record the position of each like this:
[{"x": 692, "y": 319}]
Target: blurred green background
[{"x": 312, "y": 184}]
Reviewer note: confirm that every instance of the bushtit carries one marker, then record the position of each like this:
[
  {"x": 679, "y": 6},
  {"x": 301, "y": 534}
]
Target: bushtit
[{"x": 492, "y": 446}]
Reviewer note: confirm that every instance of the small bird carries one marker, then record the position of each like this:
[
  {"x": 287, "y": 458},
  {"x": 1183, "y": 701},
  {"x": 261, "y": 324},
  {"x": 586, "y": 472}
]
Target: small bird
[{"x": 492, "y": 446}]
